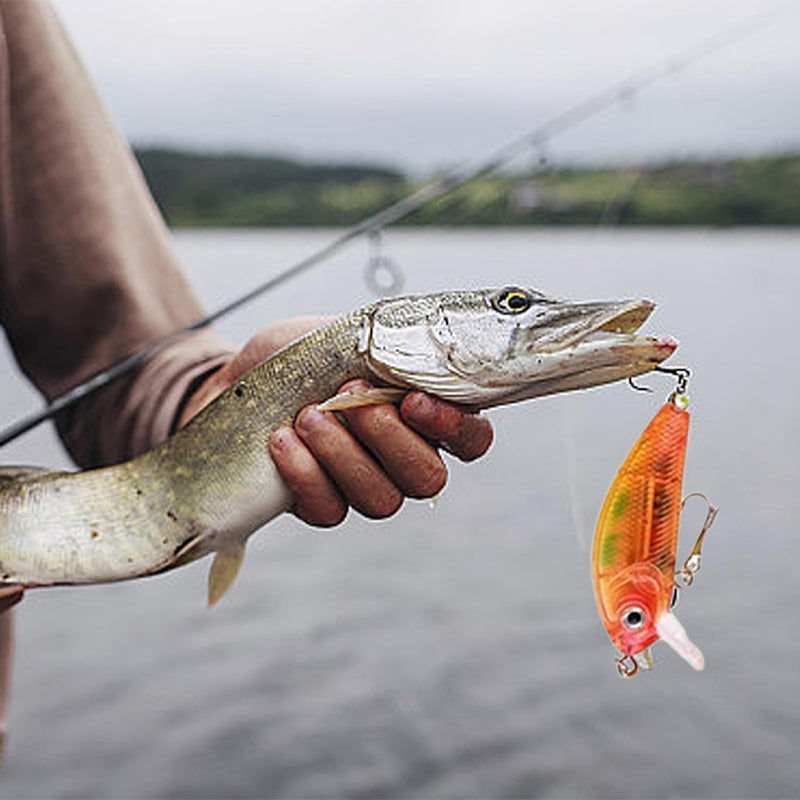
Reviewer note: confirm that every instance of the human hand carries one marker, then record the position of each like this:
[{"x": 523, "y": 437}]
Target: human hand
[{"x": 369, "y": 458}]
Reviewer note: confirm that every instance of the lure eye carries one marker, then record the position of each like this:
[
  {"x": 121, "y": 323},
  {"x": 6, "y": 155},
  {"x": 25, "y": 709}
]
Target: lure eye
[
  {"x": 512, "y": 301},
  {"x": 633, "y": 618}
]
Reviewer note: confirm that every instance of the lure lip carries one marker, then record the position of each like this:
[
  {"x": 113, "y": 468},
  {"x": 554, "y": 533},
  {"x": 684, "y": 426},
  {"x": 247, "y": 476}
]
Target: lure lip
[{"x": 674, "y": 634}]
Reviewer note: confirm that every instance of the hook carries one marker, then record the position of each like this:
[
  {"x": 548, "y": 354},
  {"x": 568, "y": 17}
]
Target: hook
[
  {"x": 685, "y": 576},
  {"x": 680, "y": 373},
  {"x": 638, "y": 388},
  {"x": 627, "y": 666}
]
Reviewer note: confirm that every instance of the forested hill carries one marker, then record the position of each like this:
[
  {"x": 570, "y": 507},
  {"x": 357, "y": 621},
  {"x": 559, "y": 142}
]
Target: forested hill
[
  {"x": 237, "y": 189},
  {"x": 227, "y": 190}
]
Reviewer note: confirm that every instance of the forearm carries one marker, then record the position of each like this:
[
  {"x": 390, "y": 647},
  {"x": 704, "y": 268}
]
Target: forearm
[
  {"x": 87, "y": 274},
  {"x": 134, "y": 413}
]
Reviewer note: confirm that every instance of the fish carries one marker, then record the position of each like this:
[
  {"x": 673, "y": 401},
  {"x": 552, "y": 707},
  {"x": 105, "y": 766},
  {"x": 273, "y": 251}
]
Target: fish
[
  {"x": 635, "y": 544},
  {"x": 212, "y": 484}
]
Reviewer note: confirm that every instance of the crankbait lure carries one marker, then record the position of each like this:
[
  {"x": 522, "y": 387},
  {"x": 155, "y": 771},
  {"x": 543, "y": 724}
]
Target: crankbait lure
[{"x": 636, "y": 539}]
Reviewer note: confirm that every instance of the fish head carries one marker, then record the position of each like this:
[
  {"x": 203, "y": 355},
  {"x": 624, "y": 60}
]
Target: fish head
[
  {"x": 496, "y": 346},
  {"x": 639, "y": 614}
]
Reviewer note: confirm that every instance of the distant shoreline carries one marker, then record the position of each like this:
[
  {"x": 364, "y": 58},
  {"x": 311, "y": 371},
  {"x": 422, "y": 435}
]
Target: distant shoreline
[{"x": 196, "y": 190}]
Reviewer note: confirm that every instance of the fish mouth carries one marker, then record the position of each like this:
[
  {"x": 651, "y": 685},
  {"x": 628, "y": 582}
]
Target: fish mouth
[
  {"x": 581, "y": 345},
  {"x": 628, "y": 320},
  {"x": 590, "y": 335},
  {"x": 571, "y": 324}
]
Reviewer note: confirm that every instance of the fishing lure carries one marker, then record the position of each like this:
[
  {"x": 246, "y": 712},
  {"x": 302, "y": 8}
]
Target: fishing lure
[{"x": 636, "y": 539}]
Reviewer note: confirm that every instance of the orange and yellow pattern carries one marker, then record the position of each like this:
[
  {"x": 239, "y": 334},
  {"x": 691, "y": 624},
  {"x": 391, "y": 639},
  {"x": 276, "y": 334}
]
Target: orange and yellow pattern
[{"x": 636, "y": 538}]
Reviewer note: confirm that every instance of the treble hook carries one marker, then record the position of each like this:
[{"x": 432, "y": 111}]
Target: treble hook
[
  {"x": 685, "y": 576},
  {"x": 627, "y": 666},
  {"x": 681, "y": 374},
  {"x": 638, "y": 388}
]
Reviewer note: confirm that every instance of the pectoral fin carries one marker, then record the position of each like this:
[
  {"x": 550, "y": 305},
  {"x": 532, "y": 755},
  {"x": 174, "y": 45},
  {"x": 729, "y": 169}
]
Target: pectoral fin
[
  {"x": 355, "y": 398},
  {"x": 223, "y": 572}
]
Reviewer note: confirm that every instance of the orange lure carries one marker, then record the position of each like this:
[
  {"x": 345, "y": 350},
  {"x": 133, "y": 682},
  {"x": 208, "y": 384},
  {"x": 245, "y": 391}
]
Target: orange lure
[{"x": 636, "y": 539}]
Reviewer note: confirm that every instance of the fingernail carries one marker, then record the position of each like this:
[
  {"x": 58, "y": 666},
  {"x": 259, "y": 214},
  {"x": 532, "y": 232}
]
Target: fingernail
[
  {"x": 418, "y": 406},
  {"x": 309, "y": 418},
  {"x": 356, "y": 383},
  {"x": 280, "y": 439}
]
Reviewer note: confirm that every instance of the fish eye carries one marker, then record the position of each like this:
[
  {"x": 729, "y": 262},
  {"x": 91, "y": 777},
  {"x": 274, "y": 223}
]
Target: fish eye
[
  {"x": 633, "y": 618},
  {"x": 512, "y": 301}
]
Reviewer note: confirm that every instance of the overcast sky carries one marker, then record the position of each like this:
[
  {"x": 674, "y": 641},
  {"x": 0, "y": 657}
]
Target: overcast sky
[{"x": 425, "y": 83}]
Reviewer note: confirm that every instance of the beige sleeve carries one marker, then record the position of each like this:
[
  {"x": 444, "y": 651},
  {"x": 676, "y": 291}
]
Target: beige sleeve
[{"x": 87, "y": 274}]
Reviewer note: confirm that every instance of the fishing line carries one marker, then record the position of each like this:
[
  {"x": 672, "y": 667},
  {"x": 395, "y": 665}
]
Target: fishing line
[{"x": 573, "y": 116}]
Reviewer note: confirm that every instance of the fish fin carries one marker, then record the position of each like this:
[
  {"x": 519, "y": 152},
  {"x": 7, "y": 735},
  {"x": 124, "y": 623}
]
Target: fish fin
[
  {"x": 189, "y": 551},
  {"x": 356, "y": 398},
  {"x": 223, "y": 572}
]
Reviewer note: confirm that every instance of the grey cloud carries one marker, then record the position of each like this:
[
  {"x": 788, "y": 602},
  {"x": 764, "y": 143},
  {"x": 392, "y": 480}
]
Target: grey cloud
[{"x": 423, "y": 83}]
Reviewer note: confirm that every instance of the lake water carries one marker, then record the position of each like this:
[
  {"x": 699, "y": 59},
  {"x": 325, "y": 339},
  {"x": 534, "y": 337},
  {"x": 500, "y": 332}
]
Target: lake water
[{"x": 455, "y": 651}]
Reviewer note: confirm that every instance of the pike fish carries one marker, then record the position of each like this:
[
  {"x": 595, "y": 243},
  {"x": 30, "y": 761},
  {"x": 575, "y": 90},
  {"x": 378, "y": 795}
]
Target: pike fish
[{"x": 208, "y": 487}]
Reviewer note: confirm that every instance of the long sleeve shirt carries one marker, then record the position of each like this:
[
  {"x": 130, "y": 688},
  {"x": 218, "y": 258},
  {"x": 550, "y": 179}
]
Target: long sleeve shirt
[{"x": 87, "y": 273}]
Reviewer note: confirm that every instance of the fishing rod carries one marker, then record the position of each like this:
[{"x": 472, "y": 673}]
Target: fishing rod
[{"x": 448, "y": 182}]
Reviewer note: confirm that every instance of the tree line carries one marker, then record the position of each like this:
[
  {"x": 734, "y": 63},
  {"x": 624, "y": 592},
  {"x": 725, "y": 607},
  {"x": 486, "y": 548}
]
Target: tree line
[{"x": 241, "y": 190}]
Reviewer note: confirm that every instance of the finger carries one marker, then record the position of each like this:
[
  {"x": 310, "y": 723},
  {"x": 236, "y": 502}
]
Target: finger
[
  {"x": 412, "y": 464},
  {"x": 466, "y": 436},
  {"x": 357, "y": 475},
  {"x": 316, "y": 499}
]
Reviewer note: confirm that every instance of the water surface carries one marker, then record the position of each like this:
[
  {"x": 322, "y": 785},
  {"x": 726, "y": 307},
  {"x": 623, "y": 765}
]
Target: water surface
[{"x": 455, "y": 651}]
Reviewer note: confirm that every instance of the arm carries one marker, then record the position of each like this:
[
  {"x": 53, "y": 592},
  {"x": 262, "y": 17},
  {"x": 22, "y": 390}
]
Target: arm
[
  {"x": 87, "y": 274},
  {"x": 87, "y": 277}
]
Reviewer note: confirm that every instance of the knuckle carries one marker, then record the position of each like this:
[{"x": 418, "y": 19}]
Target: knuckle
[
  {"x": 375, "y": 422},
  {"x": 434, "y": 418}
]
